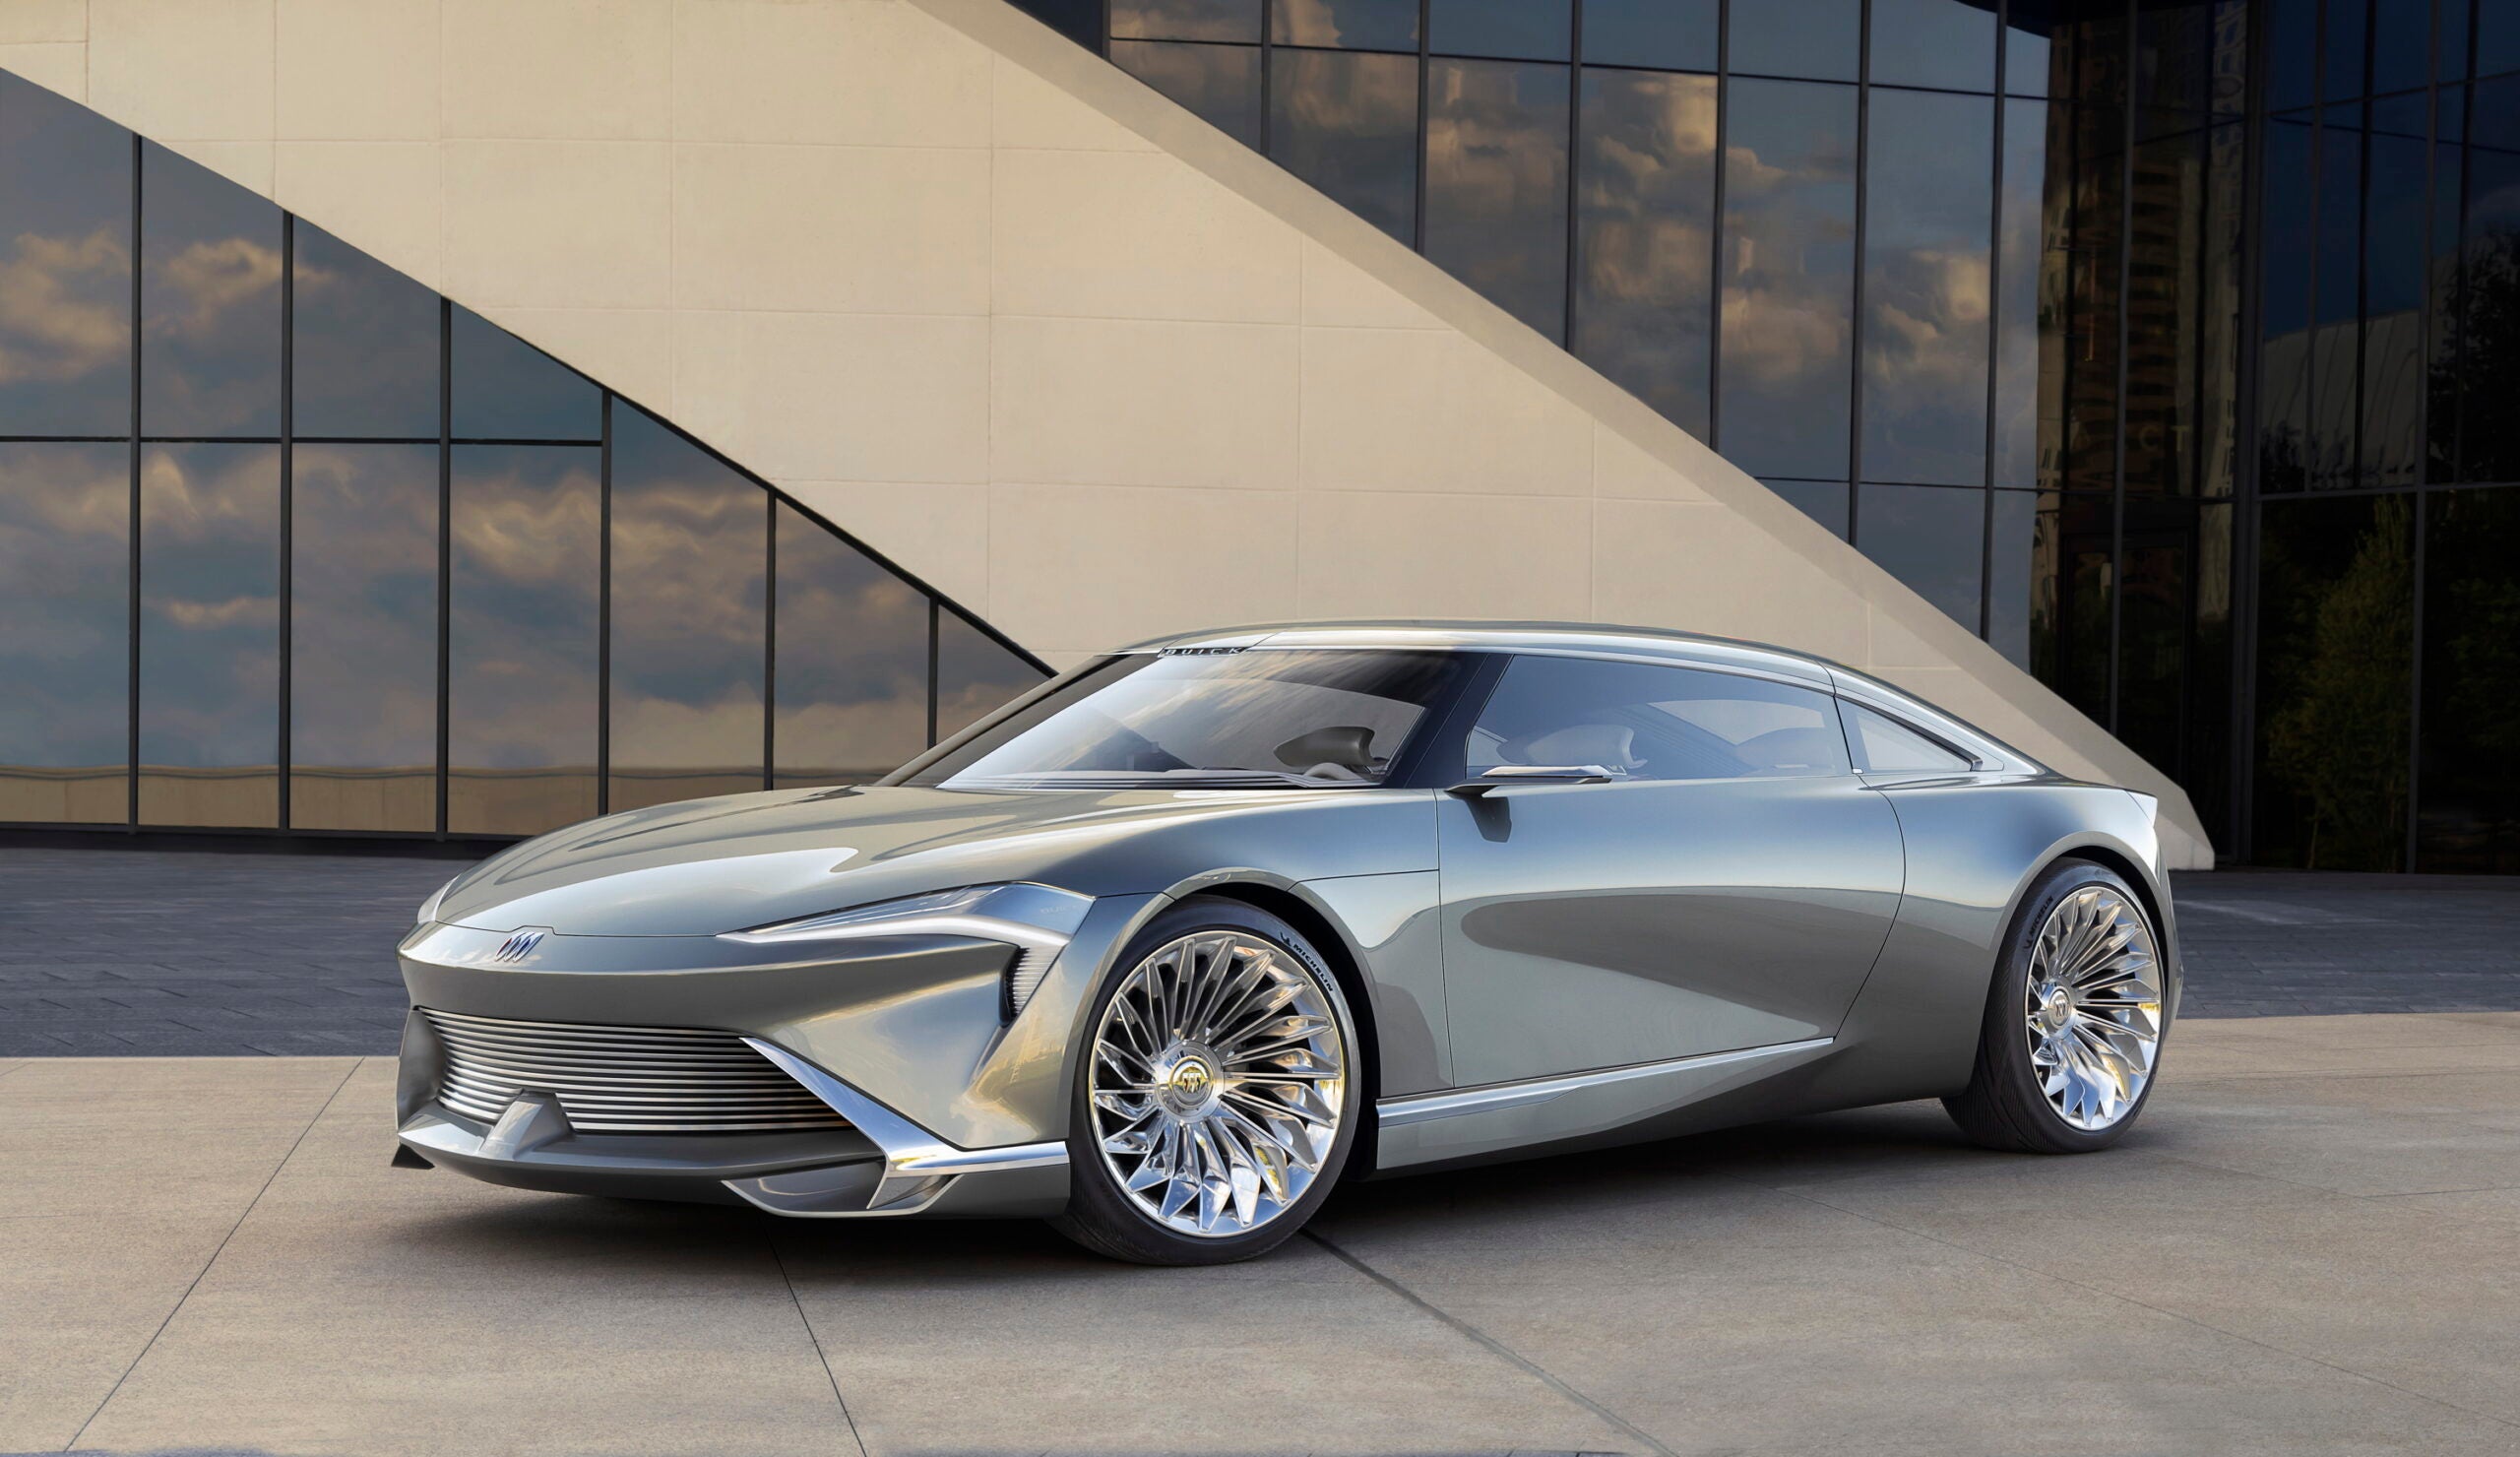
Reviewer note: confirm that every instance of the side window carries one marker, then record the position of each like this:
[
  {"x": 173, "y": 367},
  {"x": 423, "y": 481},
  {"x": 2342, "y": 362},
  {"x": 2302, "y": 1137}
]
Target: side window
[
  {"x": 1885, "y": 745},
  {"x": 1642, "y": 721}
]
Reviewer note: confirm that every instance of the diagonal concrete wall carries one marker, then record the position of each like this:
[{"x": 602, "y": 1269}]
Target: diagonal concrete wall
[{"x": 1086, "y": 364}]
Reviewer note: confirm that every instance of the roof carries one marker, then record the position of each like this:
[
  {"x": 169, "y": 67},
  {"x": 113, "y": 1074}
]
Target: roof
[{"x": 1577, "y": 637}]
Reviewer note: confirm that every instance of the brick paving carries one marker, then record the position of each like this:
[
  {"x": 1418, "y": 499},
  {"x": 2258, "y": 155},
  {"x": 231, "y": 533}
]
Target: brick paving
[{"x": 115, "y": 951}]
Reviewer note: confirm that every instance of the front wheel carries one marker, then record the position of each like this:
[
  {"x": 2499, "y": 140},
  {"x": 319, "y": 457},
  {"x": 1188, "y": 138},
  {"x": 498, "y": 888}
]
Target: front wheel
[
  {"x": 1218, "y": 1100},
  {"x": 2073, "y": 1025}
]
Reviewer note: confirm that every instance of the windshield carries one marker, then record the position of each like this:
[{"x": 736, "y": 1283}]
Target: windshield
[{"x": 1253, "y": 717}]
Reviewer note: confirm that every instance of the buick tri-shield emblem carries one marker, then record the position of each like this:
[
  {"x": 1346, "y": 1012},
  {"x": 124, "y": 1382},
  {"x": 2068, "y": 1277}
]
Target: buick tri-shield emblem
[{"x": 520, "y": 944}]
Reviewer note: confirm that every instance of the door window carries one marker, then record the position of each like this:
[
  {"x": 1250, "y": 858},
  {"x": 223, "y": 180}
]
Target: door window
[
  {"x": 1885, "y": 745},
  {"x": 1639, "y": 721}
]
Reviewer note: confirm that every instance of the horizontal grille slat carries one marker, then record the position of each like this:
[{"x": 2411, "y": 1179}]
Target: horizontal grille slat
[{"x": 620, "y": 1079}]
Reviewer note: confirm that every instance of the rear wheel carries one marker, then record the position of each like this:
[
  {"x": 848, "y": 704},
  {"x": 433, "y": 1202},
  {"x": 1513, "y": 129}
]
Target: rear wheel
[
  {"x": 2073, "y": 1025},
  {"x": 1216, "y": 1102}
]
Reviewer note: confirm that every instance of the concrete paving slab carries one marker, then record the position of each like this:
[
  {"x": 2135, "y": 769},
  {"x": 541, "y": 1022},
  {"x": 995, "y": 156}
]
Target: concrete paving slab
[{"x": 2262, "y": 1268}]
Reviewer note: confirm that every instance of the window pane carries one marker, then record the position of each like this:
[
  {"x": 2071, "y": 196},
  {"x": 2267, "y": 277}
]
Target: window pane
[
  {"x": 1928, "y": 180},
  {"x": 521, "y": 628},
  {"x": 2165, "y": 302},
  {"x": 2157, "y": 572},
  {"x": 1219, "y": 83},
  {"x": 1648, "y": 722},
  {"x": 1513, "y": 29},
  {"x": 2393, "y": 288},
  {"x": 1947, "y": 43},
  {"x": 1824, "y": 501},
  {"x": 2441, "y": 289},
  {"x": 1886, "y": 746},
  {"x": 2334, "y": 637},
  {"x": 1497, "y": 183},
  {"x": 1817, "y": 39},
  {"x": 1669, "y": 34},
  {"x": 2497, "y": 44},
  {"x": 65, "y": 543},
  {"x": 210, "y": 257},
  {"x": 974, "y": 673},
  {"x": 2469, "y": 818},
  {"x": 2341, "y": 70},
  {"x": 2021, "y": 349},
  {"x": 505, "y": 389},
  {"x": 2030, "y": 52},
  {"x": 2489, "y": 339},
  {"x": 2009, "y": 574},
  {"x": 1187, "y": 20},
  {"x": 2094, "y": 191},
  {"x": 690, "y": 548},
  {"x": 1347, "y": 124},
  {"x": 2073, "y": 582},
  {"x": 1355, "y": 25},
  {"x": 2339, "y": 279},
  {"x": 210, "y": 635},
  {"x": 2285, "y": 231},
  {"x": 65, "y": 266},
  {"x": 365, "y": 361},
  {"x": 1645, "y": 237},
  {"x": 1932, "y": 537},
  {"x": 362, "y": 684},
  {"x": 1788, "y": 277},
  {"x": 853, "y": 661}
]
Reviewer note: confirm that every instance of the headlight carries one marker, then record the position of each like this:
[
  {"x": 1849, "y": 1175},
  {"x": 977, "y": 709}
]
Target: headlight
[
  {"x": 429, "y": 908},
  {"x": 1037, "y": 919}
]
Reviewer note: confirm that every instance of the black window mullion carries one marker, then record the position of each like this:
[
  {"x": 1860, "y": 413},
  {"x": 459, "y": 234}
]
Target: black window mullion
[
  {"x": 934, "y": 625},
  {"x": 288, "y": 492},
  {"x": 604, "y": 617},
  {"x": 1417, "y": 227},
  {"x": 131, "y": 776},
  {"x": 769, "y": 641},
  {"x": 1855, "y": 319},
  {"x": 445, "y": 545},
  {"x": 2125, "y": 281},
  {"x": 1995, "y": 328},
  {"x": 1715, "y": 233},
  {"x": 1574, "y": 165}
]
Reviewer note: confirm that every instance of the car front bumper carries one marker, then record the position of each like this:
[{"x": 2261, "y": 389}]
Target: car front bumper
[{"x": 941, "y": 1104}]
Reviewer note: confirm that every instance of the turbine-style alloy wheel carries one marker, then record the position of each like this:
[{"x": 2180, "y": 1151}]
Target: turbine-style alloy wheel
[
  {"x": 1219, "y": 1083},
  {"x": 2074, "y": 1021},
  {"x": 2092, "y": 1007}
]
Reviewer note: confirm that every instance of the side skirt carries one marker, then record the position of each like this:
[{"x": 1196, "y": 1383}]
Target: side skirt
[{"x": 1503, "y": 1117}]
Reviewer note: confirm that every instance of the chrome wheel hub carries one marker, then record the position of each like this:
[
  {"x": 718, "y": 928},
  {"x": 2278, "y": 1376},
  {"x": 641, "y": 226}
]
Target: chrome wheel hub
[
  {"x": 2093, "y": 1007},
  {"x": 1219, "y": 1083}
]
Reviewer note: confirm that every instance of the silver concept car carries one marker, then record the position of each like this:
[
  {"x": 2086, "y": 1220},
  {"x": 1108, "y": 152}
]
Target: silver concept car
[{"x": 1166, "y": 949}]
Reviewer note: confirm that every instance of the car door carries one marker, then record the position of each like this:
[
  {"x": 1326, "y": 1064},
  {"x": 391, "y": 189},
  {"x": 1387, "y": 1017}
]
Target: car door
[{"x": 1728, "y": 886}]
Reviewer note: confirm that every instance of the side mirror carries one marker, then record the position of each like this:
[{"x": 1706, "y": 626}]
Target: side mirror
[{"x": 1506, "y": 775}]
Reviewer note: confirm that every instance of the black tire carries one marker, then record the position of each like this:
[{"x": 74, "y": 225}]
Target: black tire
[
  {"x": 2003, "y": 1106},
  {"x": 1100, "y": 1215}
]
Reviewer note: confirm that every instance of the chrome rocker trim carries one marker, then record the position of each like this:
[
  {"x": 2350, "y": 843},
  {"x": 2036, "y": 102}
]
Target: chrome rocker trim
[
  {"x": 1421, "y": 1107},
  {"x": 918, "y": 1167}
]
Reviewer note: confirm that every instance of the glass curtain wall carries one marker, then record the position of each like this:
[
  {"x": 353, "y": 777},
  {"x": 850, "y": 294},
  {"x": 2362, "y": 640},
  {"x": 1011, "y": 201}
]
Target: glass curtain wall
[
  {"x": 1921, "y": 265},
  {"x": 2388, "y": 569},
  {"x": 288, "y": 542}
]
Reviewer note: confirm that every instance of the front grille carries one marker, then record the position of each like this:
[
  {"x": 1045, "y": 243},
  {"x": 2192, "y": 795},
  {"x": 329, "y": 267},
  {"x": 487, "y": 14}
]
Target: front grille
[{"x": 620, "y": 1079}]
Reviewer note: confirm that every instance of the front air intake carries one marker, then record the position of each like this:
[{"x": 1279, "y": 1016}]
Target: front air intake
[{"x": 620, "y": 1079}]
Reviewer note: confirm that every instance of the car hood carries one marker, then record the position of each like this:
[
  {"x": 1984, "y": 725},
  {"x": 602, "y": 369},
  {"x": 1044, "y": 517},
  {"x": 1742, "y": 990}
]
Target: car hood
[{"x": 712, "y": 865}]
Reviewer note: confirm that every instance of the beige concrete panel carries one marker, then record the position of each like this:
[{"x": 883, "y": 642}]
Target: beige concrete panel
[
  {"x": 246, "y": 164},
  {"x": 630, "y": 350},
  {"x": 182, "y": 67},
  {"x": 1894, "y": 647},
  {"x": 363, "y": 69},
  {"x": 1418, "y": 554},
  {"x": 865, "y": 71},
  {"x": 1701, "y": 568},
  {"x": 27, "y": 21},
  {"x": 1622, "y": 470},
  {"x": 1117, "y": 402},
  {"x": 1339, "y": 294},
  {"x": 589, "y": 69},
  {"x": 385, "y": 198},
  {"x": 1027, "y": 111},
  {"x": 58, "y": 66},
  {"x": 1132, "y": 562},
  {"x": 1136, "y": 235},
  {"x": 1419, "y": 410},
  {"x": 870, "y": 230},
  {"x": 938, "y": 532},
  {"x": 838, "y": 397},
  {"x": 559, "y": 224}
]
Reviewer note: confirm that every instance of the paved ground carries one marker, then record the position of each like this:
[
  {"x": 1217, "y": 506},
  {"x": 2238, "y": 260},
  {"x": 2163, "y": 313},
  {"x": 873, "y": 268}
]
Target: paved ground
[
  {"x": 115, "y": 952},
  {"x": 2312, "y": 1245}
]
